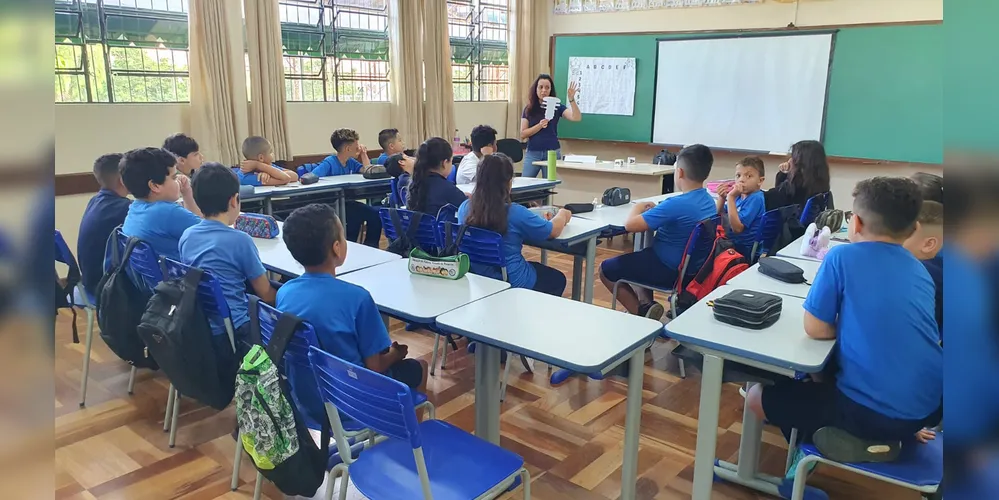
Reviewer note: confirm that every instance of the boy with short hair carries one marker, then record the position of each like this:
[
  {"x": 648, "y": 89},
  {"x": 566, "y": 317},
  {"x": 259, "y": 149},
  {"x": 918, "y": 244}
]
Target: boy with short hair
[
  {"x": 349, "y": 327},
  {"x": 185, "y": 148},
  {"x": 105, "y": 212},
  {"x": 876, "y": 299},
  {"x": 673, "y": 219},
  {"x": 155, "y": 217},
  {"x": 258, "y": 169},
  {"x": 927, "y": 241},
  {"x": 742, "y": 204},
  {"x": 483, "y": 143},
  {"x": 214, "y": 246},
  {"x": 391, "y": 143}
]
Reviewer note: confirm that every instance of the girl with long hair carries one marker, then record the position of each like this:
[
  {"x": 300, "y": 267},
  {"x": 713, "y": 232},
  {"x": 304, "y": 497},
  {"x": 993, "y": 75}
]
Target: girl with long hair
[
  {"x": 805, "y": 175},
  {"x": 541, "y": 134},
  {"x": 429, "y": 189},
  {"x": 490, "y": 208}
]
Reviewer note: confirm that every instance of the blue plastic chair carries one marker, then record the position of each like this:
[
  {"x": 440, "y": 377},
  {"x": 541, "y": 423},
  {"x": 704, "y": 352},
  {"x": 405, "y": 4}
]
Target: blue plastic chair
[
  {"x": 426, "y": 235},
  {"x": 448, "y": 212},
  {"x": 766, "y": 236},
  {"x": 394, "y": 198},
  {"x": 144, "y": 264},
  {"x": 919, "y": 467},
  {"x": 432, "y": 459},
  {"x": 83, "y": 300},
  {"x": 813, "y": 207},
  {"x": 453, "y": 175}
]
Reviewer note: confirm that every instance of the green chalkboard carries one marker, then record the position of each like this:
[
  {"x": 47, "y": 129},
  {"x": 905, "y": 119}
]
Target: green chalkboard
[{"x": 885, "y": 91}]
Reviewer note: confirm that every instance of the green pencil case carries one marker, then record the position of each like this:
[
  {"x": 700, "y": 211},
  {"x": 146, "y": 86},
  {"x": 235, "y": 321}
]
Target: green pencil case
[{"x": 451, "y": 267}]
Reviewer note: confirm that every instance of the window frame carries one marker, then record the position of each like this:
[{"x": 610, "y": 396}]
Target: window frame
[{"x": 474, "y": 46}]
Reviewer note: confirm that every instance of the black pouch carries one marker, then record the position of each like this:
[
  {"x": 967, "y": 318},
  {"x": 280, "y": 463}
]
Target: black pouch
[
  {"x": 748, "y": 309},
  {"x": 579, "y": 208},
  {"x": 782, "y": 270},
  {"x": 308, "y": 178},
  {"x": 616, "y": 196}
]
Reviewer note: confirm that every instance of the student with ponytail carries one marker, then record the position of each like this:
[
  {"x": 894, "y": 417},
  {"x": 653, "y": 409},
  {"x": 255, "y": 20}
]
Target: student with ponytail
[{"x": 429, "y": 189}]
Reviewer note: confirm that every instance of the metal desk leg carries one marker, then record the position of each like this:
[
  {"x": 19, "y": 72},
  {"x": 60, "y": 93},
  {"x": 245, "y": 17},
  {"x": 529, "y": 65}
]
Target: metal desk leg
[
  {"x": 343, "y": 210},
  {"x": 632, "y": 423},
  {"x": 749, "y": 444},
  {"x": 268, "y": 206},
  {"x": 707, "y": 426},
  {"x": 639, "y": 241},
  {"x": 487, "y": 388},
  {"x": 577, "y": 275},
  {"x": 544, "y": 257},
  {"x": 591, "y": 258}
]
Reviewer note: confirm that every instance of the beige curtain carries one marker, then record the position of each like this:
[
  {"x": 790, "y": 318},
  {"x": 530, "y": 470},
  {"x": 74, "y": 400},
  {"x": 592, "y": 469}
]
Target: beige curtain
[
  {"x": 213, "y": 103},
  {"x": 406, "y": 87},
  {"x": 439, "y": 111},
  {"x": 268, "y": 114},
  {"x": 529, "y": 32}
]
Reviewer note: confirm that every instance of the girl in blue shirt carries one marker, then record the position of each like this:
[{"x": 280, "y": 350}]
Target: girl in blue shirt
[
  {"x": 429, "y": 189},
  {"x": 490, "y": 208},
  {"x": 541, "y": 134}
]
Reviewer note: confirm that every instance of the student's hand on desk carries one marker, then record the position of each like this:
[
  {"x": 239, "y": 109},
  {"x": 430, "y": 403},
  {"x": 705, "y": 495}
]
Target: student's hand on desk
[
  {"x": 565, "y": 214},
  {"x": 263, "y": 178},
  {"x": 926, "y": 435}
]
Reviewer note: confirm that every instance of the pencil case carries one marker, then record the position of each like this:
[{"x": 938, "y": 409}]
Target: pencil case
[
  {"x": 747, "y": 309},
  {"x": 451, "y": 267},
  {"x": 781, "y": 270},
  {"x": 258, "y": 225}
]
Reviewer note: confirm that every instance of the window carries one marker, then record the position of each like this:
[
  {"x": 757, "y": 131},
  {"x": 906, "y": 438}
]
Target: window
[
  {"x": 335, "y": 50},
  {"x": 121, "y": 51},
  {"x": 480, "y": 68}
]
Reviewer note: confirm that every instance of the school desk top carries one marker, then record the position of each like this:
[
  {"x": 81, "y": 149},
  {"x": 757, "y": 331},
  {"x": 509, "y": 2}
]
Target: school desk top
[
  {"x": 276, "y": 257},
  {"x": 753, "y": 279},
  {"x": 609, "y": 167},
  {"x": 520, "y": 185}
]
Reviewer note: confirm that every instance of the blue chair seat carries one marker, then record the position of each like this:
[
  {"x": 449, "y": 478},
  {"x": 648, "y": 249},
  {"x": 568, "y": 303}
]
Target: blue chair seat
[
  {"x": 78, "y": 298},
  {"x": 918, "y": 464},
  {"x": 460, "y": 465}
]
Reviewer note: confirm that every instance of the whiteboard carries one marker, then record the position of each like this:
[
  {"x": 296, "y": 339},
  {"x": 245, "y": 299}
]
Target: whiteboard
[
  {"x": 606, "y": 84},
  {"x": 760, "y": 93}
]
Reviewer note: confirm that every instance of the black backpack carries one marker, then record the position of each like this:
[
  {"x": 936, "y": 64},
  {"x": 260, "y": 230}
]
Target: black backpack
[
  {"x": 178, "y": 335},
  {"x": 119, "y": 309},
  {"x": 64, "y": 294},
  {"x": 664, "y": 158},
  {"x": 406, "y": 240}
]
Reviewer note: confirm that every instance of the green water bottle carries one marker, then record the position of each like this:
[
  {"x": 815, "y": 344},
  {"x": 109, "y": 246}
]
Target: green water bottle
[{"x": 551, "y": 165}]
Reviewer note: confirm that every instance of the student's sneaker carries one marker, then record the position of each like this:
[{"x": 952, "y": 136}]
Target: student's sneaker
[
  {"x": 528, "y": 363},
  {"x": 841, "y": 446},
  {"x": 652, "y": 310},
  {"x": 793, "y": 471}
]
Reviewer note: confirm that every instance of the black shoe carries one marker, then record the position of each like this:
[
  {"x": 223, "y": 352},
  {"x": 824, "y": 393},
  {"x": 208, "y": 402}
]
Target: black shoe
[
  {"x": 652, "y": 310},
  {"x": 841, "y": 446}
]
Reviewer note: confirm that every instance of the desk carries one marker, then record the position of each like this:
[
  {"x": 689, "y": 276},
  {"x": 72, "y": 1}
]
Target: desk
[
  {"x": 585, "y": 181},
  {"x": 793, "y": 251},
  {"x": 342, "y": 187},
  {"x": 276, "y": 257},
  {"x": 783, "y": 349},
  {"x": 577, "y": 336},
  {"x": 521, "y": 185},
  {"x": 421, "y": 299},
  {"x": 753, "y": 279},
  {"x": 578, "y": 230},
  {"x": 615, "y": 217}
]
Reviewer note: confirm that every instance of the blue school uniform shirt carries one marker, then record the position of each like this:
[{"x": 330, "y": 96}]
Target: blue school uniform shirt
[
  {"x": 880, "y": 298},
  {"x": 331, "y": 166},
  {"x": 439, "y": 192},
  {"x": 751, "y": 208},
  {"x": 522, "y": 225},
  {"x": 230, "y": 256},
  {"x": 547, "y": 138},
  {"x": 252, "y": 178},
  {"x": 159, "y": 223},
  {"x": 382, "y": 158},
  {"x": 673, "y": 219},
  {"x": 344, "y": 315},
  {"x": 105, "y": 211},
  {"x": 934, "y": 266}
]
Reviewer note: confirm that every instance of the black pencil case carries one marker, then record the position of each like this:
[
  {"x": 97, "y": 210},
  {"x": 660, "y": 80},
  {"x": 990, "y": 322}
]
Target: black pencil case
[
  {"x": 781, "y": 270},
  {"x": 748, "y": 309}
]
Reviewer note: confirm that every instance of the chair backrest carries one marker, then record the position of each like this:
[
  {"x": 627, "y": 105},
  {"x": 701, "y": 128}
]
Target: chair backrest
[
  {"x": 483, "y": 247},
  {"x": 375, "y": 401},
  {"x": 426, "y": 235},
  {"x": 296, "y": 366},
  {"x": 512, "y": 148},
  {"x": 770, "y": 228},
  {"x": 144, "y": 265},
  {"x": 453, "y": 175},
  {"x": 448, "y": 212},
  {"x": 64, "y": 254},
  {"x": 699, "y": 245},
  {"x": 209, "y": 294},
  {"x": 813, "y": 207},
  {"x": 394, "y": 193}
]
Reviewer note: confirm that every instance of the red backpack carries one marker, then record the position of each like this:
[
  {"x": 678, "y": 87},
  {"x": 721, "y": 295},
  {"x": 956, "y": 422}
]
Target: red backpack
[{"x": 723, "y": 263}]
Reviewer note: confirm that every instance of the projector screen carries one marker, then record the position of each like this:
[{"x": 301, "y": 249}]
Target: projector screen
[{"x": 757, "y": 93}]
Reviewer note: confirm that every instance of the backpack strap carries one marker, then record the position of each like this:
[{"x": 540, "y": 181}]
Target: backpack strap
[
  {"x": 191, "y": 281},
  {"x": 452, "y": 243},
  {"x": 414, "y": 226},
  {"x": 284, "y": 330}
]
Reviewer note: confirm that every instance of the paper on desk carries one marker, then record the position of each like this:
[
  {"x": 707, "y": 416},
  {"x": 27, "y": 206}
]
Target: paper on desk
[{"x": 580, "y": 158}]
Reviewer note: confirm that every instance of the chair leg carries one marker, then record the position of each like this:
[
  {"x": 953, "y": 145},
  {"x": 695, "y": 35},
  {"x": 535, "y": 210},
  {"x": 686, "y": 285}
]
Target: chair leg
[
  {"x": 800, "y": 477},
  {"x": 683, "y": 368},
  {"x": 791, "y": 449},
  {"x": 433, "y": 361},
  {"x": 236, "y": 462},
  {"x": 131, "y": 381},
  {"x": 525, "y": 481},
  {"x": 344, "y": 483},
  {"x": 506, "y": 375},
  {"x": 173, "y": 420},
  {"x": 330, "y": 483},
  {"x": 444, "y": 357},
  {"x": 169, "y": 409},
  {"x": 86, "y": 357},
  {"x": 258, "y": 486}
]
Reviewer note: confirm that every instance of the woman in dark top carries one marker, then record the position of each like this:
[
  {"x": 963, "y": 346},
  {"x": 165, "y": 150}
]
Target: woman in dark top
[
  {"x": 542, "y": 134},
  {"x": 429, "y": 189},
  {"x": 805, "y": 175}
]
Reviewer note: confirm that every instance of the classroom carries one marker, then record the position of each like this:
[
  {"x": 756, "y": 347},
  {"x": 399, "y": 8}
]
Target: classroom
[{"x": 278, "y": 257}]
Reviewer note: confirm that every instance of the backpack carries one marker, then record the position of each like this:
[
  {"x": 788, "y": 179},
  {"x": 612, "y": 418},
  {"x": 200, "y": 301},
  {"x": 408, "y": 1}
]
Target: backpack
[
  {"x": 664, "y": 158},
  {"x": 64, "y": 294},
  {"x": 178, "y": 335},
  {"x": 723, "y": 263},
  {"x": 831, "y": 218},
  {"x": 405, "y": 241},
  {"x": 119, "y": 309},
  {"x": 271, "y": 428},
  {"x": 790, "y": 228}
]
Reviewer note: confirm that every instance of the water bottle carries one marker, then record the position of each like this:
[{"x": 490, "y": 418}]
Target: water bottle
[{"x": 457, "y": 140}]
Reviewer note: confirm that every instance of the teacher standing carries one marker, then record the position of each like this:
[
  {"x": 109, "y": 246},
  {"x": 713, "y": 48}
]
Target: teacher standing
[{"x": 542, "y": 134}]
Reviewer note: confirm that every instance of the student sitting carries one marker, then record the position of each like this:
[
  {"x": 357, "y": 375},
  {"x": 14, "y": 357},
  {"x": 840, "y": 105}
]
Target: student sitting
[
  {"x": 400, "y": 166},
  {"x": 105, "y": 212},
  {"x": 490, "y": 208},
  {"x": 345, "y": 162},
  {"x": 392, "y": 144},
  {"x": 155, "y": 217},
  {"x": 876, "y": 300},
  {"x": 805, "y": 175},
  {"x": 742, "y": 204},
  {"x": 189, "y": 157},
  {"x": 345, "y": 317},
  {"x": 258, "y": 169},
  {"x": 927, "y": 241},
  {"x": 673, "y": 219},
  {"x": 214, "y": 246},
  {"x": 483, "y": 143},
  {"x": 429, "y": 189}
]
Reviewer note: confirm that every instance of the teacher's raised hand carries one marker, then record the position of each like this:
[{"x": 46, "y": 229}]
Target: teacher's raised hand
[{"x": 572, "y": 114}]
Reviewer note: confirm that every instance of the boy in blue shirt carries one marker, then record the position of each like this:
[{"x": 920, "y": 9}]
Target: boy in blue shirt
[
  {"x": 187, "y": 151},
  {"x": 105, "y": 212},
  {"x": 214, "y": 246},
  {"x": 927, "y": 241},
  {"x": 876, "y": 300},
  {"x": 345, "y": 162},
  {"x": 673, "y": 219},
  {"x": 347, "y": 322},
  {"x": 258, "y": 169},
  {"x": 392, "y": 144},
  {"x": 155, "y": 217},
  {"x": 742, "y": 204}
]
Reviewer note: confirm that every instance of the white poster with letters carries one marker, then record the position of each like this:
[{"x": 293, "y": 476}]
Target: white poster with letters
[{"x": 606, "y": 84}]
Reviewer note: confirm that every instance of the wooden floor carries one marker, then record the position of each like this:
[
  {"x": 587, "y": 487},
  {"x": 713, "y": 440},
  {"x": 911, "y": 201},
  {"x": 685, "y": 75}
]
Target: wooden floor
[{"x": 571, "y": 436}]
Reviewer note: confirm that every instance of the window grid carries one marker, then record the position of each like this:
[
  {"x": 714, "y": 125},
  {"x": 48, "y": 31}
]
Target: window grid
[{"x": 479, "y": 32}]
